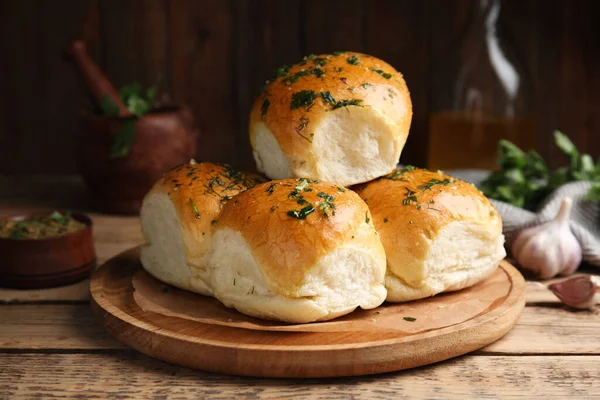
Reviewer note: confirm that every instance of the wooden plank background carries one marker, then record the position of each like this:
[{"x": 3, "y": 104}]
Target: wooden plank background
[{"x": 215, "y": 54}]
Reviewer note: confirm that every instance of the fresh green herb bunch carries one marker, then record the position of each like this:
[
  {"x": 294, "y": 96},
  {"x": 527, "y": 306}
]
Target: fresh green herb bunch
[
  {"x": 138, "y": 102},
  {"x": 524, "y": 178}
]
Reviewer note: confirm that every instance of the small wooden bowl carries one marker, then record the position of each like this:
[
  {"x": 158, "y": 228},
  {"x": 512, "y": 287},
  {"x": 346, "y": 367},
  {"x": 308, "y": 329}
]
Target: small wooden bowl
[{"x": 42, "y": 263}]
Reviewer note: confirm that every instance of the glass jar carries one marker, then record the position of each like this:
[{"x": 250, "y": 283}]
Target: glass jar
[{"x": 490, "y": 99}]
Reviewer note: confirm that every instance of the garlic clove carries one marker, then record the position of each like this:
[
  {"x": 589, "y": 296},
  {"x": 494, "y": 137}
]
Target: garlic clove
[
  {"x": 549, "y": 249},
  {"x": 578, "y": 292}
]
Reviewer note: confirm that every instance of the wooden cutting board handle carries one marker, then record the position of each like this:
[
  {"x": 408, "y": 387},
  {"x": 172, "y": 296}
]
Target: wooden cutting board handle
[{"x": 95, "y": 80}]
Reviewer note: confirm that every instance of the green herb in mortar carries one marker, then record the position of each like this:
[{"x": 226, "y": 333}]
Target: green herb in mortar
[{"x": 138, "y": 102}]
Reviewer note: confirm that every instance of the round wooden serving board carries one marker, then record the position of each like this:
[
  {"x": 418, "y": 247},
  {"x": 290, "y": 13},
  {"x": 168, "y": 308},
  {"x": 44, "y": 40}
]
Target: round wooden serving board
[{"x": 213, "y": 338}]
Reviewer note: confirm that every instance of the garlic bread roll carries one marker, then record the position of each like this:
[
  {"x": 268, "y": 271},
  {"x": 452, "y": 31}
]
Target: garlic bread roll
[
  {"x": 297, "y": 251},
  {"x": 439, "y": 233},
  {"x": 342, "y": 118},
  {"x": 178, "y": 216}
]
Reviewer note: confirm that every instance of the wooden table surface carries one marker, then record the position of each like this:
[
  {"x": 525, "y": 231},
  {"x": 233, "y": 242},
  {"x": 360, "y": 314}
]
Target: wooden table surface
[{"x": 51, "y": 346}]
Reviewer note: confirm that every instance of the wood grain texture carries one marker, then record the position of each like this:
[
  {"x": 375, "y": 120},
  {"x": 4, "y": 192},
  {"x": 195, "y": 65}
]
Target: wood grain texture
[
  {"x": 405, "y": 24},
  {"x": 134, "y": 376},
  {"x": 134, "y": 41},
  {"x": 335, "y": 25},
  {"x": 201, "y": 65},
  {"x": 221, "y": 348},
  {"x": 64, "y": 327},
  {"x": 213, "y": 54},
  {"x": 267, "y": 36},
  {"x": 41, "y": 100},
  {"x": 33, "y": 326}
]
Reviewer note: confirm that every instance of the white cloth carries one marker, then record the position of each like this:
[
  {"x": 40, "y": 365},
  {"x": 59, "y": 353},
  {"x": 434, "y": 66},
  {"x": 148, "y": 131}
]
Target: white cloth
[{"x": 584, "y": 221}]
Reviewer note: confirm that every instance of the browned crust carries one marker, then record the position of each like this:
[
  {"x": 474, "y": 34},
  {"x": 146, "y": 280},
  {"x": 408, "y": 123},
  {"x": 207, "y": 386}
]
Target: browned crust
[
  {"x": 343, "y": 81},
  {"x": 407, "y": 228},
  {"x": 286, "y": 247},
  {"x": 200, "y": 190}
]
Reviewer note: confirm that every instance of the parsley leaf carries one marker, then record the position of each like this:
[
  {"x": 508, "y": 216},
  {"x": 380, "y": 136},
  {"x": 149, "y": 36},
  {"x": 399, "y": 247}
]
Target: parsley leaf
[
  {"x": 123, "y": 140},
  {"x": 304, "y": 98},
  {"x": 524, "y": 178},
  {"x": 108, "y": 107}
]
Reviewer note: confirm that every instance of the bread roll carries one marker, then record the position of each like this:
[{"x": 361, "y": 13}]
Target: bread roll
[
  {"x": 341, "y": 118},
  {"x": 297, "y": 251},
  {"x": 178, "y": 215},
  {"x": 439, "y": 233}
]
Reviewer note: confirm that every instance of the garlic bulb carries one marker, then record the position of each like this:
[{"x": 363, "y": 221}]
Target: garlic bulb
[
  {"x": 578, "y": 292},
  {"x": 549, "y": 249}
]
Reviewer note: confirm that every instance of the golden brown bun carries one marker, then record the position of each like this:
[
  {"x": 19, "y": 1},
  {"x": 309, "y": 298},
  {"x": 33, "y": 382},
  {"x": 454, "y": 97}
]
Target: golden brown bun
[
  {"x": 271, "y": 262},
  {"x": 323, "y": 139},
  {"x": 178, "y": 216},
  {"x": 439, "y": 233}
]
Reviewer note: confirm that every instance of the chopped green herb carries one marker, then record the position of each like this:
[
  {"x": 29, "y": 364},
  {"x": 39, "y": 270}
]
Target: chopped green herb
[
  {"x": 339, "y": 69},
  {"x": 194, "y": 209},
  {"x": 391, "y": 92},
  {"x": 282, "y": 71},
  {"x": 396, "y": 176},
  {"x": 303, "y": 213},
  {"x": 353, "y": 60},
  {"x": 318, "y": 72},
  {"x": 410, "y": 197},
  {"x": 271, "y": 188},
  {"x": 433, "y": 182},
  {"x": 17, "y": 235},
  {"x": 298, "y": 197},
  {"x": 366, "y": 85},
  {"x": 327, "y": 204},
  {"x": 328, "y": 97},
  {"x": 346, "y": 103},
  {"x": 108, "y": 107},
  {"x": 409, "y": 319},
  {"x": 418, "y": 207},
  {"x": 123, "y": 140},
  {"x": 304, "y": 98},
  {"x": 367, "y": 219},
  {"x": 264, "y": 108},
  {"x": 302, "y": 185},
  {"x": 320, "y": 61},
  {"x": 380, "y": 72},
  {"x": 325, "y": 196},
  {"x": 56, "y": 216},
  {"x": 300, "y": 128},
  {"x": 288, "y": 80},
  {"x": 341, "y": 189},
  {"x": 309, "y": 57},
  {"x": 409, "y": 200},
  {"x": 338, "y": 53}
]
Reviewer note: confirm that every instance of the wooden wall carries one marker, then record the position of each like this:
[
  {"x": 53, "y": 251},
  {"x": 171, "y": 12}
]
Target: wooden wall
[{"x": 215, "y": 54}]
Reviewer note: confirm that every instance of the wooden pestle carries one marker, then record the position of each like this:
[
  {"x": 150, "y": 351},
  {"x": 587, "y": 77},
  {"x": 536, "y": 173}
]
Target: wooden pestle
[{"x": 95, "y": 80}]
